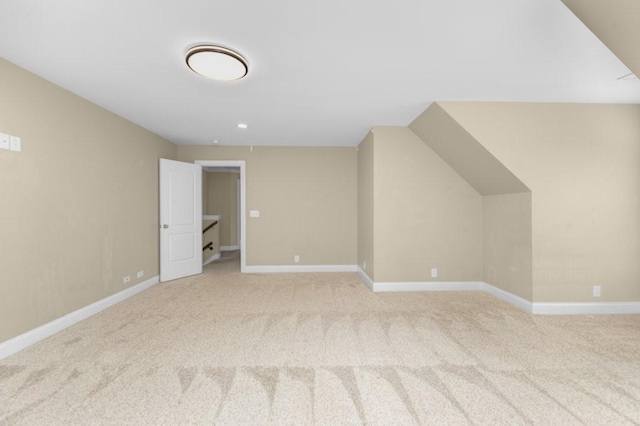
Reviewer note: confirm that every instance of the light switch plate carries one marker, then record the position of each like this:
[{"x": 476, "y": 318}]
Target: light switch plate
[
  {"x": 254, "y": 213},
  {"x": 16, "y": 143},
  {"x": 4, "y": 141}
]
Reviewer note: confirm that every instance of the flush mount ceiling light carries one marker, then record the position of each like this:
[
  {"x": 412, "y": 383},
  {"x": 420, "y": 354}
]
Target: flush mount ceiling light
[
  {"x": 216, "y": 62},
  {"x": 242, "y": 125}
]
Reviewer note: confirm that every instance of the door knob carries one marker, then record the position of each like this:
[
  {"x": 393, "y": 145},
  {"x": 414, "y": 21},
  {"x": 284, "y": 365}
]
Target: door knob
[{"x": 165, "y": 226}]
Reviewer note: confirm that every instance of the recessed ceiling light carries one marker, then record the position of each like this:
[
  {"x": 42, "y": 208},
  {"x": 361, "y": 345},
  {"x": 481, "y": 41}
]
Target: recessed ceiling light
[
  {"x": 216, "y": 141},
  {"x": 630, "y": 76},
  {"x": 242, "y": 125},
  {"x": 218, "y": 63}
]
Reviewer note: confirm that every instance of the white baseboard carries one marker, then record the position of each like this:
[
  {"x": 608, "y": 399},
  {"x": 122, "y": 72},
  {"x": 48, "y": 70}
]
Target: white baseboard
[
  {"x": 427, "y": 286},
  {"x": 27, "y": 339},
  {"x": 419, "y": 285},
  {"x": 501, "y": 294},
  {"x": 31, "y": 337},
  {"x": 560, "y": 308},
  {"x": 300, "y": 268},
  {"x": 587, "y": 308},
  {"x": 211, "y": 259},
  {"x": 229, "y": 248},
  {"x": 596, "y": 308},
  {"x": 368, "y": 281}
]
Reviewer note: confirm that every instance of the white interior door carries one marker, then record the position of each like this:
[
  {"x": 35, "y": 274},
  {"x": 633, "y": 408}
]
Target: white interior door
[{"x": 180, "y": 219}]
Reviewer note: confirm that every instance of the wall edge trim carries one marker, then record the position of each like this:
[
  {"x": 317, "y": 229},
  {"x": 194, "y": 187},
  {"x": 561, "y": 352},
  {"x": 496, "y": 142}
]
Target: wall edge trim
[
  {"x": 31, "y": 337},
  {"x": 300, "y": 268},
  {"x": 427, "y": 286},
  {"x": 367, "y": 280},
  {"x": 211, "y": 259},
  {"x": 508, "y": 297},
  {"x": 535, "y": 308},
  {"x": 586, "y": 308}
]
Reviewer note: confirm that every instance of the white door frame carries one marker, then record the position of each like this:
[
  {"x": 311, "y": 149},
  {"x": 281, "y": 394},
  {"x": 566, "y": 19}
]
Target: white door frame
[
  {"x": 239, "y": 221},
  {"x": 243, "y": 199}
]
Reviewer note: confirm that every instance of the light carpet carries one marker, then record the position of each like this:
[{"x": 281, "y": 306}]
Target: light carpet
[{"x": 231, "y": 348}]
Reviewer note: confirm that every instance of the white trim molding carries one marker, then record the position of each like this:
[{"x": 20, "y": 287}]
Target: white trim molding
[
  {"x": 229, "y": 248},
  {"x": 536, "y": 308},
  {"x": 427, "y": 286},
  {"x": 266, "y": 269},
  {"x": 367, "y": 280},
  {"x": 419, "y": 285},
  {"x": 587, "y": 308},
  {"x": 211, "y": 259},
  {"x": 31, "y": 337},
  {"x": 504, "y": 295}
]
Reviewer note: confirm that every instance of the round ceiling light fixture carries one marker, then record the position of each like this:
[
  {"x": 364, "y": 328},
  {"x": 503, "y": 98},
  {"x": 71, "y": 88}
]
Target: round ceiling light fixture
[{"x": 217, "y": 63}]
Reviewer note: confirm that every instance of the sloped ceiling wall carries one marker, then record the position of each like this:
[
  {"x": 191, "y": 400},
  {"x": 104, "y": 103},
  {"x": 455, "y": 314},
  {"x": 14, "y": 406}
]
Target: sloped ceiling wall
[
  {"x": 582, "y": 163},
  {"x": 616, "y": 23},
  {"x": 506, "y": 204},
  {"x": 470, "y": 159}
]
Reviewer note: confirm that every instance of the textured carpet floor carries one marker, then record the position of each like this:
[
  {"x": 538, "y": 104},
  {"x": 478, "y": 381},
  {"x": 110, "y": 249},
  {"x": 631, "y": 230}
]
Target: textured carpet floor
[{"x": 228, "y": 348}]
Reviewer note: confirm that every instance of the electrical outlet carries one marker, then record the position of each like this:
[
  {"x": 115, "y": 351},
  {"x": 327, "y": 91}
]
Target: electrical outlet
[
  {"x": 4, "y": 141},
  {"x": 140, "y": 274},
  {"x": 596, "y": 291},
  {"x": 15, "y": 143},
  {"x": 296, "y": 258},
  {"x": 364, "y": 265},
  {"x": 126, "y": 279},
  {"x": 434, "y": 272}
]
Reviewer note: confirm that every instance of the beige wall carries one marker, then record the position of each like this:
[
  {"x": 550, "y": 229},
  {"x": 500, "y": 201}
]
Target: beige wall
[
  {"x": 80, "y": 202},
  {"x": 464, "y": 154},
  {"x": 307, "y": 199},
  {"x": 506, "y": 211},
  {"x": 366, "y": 206},
  {"x": 425, "y": 215},
  {"x": 616, "y": 23},
  {"x": 506, "y": 238},
  {"x": 223, "y": 200},
  {"x": 582, "y": 164}
]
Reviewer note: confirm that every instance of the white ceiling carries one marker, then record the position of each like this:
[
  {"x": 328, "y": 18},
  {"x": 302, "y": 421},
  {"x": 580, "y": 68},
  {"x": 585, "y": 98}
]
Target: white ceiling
[{"x": 321, "y": 73}]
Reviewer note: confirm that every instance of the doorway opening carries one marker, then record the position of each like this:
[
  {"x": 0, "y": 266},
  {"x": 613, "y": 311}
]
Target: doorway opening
[{"x": 224, "y": 201}]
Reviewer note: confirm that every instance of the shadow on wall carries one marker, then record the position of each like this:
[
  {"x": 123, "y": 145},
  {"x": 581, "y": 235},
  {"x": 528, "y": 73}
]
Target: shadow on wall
[{"x": 559, "y": 185}]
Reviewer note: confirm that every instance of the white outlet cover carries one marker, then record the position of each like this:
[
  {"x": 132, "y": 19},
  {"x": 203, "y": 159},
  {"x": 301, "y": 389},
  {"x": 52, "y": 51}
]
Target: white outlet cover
[
  {"x": 254, "y": 213},
  {"x": 140, "y": 274},
  {"x": 434, "y": 272},
  {"x": 4, "y": 141},
  {"x": 16, "y": 143}
]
